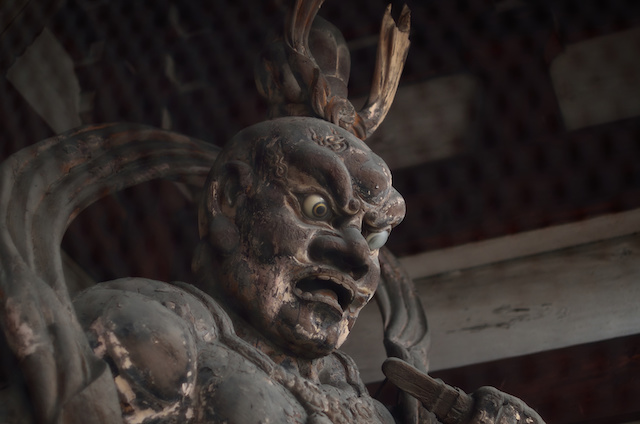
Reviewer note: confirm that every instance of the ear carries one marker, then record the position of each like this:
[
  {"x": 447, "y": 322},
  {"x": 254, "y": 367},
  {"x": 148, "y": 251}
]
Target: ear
[
  {"x": 225, "y": 190},
  {"x": 225, "y": 184},
  {"x": 234, "y": 182}
]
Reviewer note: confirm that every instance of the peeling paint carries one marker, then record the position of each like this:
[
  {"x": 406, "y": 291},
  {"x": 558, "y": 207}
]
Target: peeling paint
[
  {"x": 344, "y": 333},
  {"x": 119, "y": 352},
  {"x": 101, "y": 348},
  {"x": 27, "y": 341},
  {"x": 125, "y": 389},
  {"x": 187, "y": 389}
]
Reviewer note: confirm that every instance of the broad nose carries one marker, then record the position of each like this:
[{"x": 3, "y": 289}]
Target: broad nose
[{"x": 346, "y": 250}]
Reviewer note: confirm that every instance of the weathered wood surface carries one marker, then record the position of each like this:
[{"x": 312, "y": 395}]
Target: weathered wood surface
[
  {"x": 306, "y": 73},
  {"x": 543, "y": 302},
  {"x": 594, "y": 383},
  {"x": 47, "y": 185},
  {"x": 20, "y": 22},
  {"x": 449, "y": 404},
  {"x": 445, "y": 209},
  {"x": 43, "y": 188},
  {"x": 429, "y": 121},
  {"x": 593, "y": 91},
  {"x": 45, "y": 77},
  {"x": 523, "y": 244},
  {"x": 558, "y": 179}
]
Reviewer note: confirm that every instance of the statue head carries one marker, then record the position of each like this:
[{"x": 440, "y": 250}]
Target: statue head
[{"x": 293, "y": 215}]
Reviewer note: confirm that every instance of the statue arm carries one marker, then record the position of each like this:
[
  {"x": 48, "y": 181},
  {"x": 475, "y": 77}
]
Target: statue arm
[
  {"x": 42, "y": 188},
  {"x": 451, "y": 405},
  {"x": 407, "y": 343}
]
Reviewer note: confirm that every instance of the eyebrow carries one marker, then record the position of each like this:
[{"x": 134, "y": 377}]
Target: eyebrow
[
  {"x": 385, "y": 219},
  {"x": 333, "y": 178}
]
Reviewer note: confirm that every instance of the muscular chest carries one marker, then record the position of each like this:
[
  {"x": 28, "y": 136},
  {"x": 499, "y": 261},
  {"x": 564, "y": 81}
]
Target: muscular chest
[{"x": 234, "y": 390}]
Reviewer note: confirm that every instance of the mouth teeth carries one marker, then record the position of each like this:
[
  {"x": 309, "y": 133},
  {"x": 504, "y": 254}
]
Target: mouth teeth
[{"x": 322, "y": 288}]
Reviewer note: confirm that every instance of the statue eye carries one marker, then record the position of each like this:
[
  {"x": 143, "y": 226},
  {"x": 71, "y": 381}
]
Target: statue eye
[
  {"x": 315, "y": 207},
  {"x": 377, "y": 240}
]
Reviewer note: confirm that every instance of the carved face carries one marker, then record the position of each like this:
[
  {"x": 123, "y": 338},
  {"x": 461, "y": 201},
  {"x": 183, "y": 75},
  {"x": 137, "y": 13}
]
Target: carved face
[{"x": 311, "y": 205}]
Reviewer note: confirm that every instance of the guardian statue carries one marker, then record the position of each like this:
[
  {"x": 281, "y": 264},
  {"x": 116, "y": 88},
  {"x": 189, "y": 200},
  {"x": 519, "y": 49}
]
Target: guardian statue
[{"x": 293, "y": 219}]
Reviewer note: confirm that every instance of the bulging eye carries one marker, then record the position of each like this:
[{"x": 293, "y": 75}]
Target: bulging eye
[
  {"x": 377, "y": 240},
  {"x": 315, "y": 207}
]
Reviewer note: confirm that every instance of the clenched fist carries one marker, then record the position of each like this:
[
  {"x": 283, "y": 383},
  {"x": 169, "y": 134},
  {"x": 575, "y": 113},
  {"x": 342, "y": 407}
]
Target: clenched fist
[{"x": 451, "y": 405}]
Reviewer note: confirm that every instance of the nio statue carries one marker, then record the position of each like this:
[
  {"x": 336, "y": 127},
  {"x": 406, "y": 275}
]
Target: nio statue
[{"x": 293, "y": 218}]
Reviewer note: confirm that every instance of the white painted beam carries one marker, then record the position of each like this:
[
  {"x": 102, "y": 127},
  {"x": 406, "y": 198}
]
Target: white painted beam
[
  {"x": 45, "y": 77},
  {"x": 522, "y": 244},
  {"x": 428, "y": 121},
  {"x": 598, "y": 80},
  {"x": 526, "y": 305}
]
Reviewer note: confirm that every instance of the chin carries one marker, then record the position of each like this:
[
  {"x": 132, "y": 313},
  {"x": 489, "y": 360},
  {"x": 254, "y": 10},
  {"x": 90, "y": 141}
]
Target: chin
[
  {"x": 315, "y": 335},
  {"x": 312, "y": 348}
]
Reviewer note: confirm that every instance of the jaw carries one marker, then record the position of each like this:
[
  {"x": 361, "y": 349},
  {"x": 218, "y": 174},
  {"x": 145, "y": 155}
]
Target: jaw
[
  {"x": 303, "y": 310},
  {"x": 336, "y": 293},
  {"x": 325, "y": 306},
  {"x": 311, "y": 329}
]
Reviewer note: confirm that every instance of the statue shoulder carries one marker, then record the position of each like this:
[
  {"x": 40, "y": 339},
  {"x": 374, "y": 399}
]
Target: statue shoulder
[
  {"x": 239, "y": 390},
  {"x": 148, "y": 332}
]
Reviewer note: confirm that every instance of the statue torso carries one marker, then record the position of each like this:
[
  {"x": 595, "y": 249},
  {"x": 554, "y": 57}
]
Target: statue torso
[{"x": 175, "y": 357}]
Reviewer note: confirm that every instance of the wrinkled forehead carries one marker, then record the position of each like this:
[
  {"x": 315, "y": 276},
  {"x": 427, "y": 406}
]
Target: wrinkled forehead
[{"x": 347, "y": 169}]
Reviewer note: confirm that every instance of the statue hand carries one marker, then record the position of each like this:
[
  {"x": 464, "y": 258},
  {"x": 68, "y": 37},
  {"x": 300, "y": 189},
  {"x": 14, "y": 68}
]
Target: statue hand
[
  {"x": 451, "y": 405},
  {"x": 493, "y": 406}
]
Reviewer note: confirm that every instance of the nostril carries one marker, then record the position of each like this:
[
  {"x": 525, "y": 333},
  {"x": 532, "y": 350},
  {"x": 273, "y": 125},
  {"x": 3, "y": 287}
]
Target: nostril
[
  {"x": 343, "y": 255},
  {"x": 351, "y": 263},
  {"x": 359, "y": 272}
]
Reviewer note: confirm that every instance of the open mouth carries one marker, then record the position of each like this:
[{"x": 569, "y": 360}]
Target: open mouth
[{"x": 321, "y": 288}]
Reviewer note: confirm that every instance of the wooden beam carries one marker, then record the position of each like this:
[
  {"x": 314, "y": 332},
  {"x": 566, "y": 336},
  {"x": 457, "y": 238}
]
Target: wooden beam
[
  {"x": 522, "y": 244},
  {"x": 44, "y": 76},
  {"x": 489, "y": 194},
  {"x": 542, "y": 302}
]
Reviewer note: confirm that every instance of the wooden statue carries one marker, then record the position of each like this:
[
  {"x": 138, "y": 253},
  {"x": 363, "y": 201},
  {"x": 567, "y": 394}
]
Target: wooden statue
[{"x": 293, "y": 220}]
